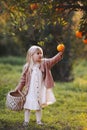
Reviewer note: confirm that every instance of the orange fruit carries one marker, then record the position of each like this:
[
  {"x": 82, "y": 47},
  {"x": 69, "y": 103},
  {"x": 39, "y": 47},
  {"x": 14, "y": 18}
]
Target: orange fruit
[
  {"x": 85, "y": 41},
  {"x": 60, "y": 47},
  {"x": 33, "y": 6},
  {"x": 78, "y": 34},
  {"x": 60, "y": 8}
]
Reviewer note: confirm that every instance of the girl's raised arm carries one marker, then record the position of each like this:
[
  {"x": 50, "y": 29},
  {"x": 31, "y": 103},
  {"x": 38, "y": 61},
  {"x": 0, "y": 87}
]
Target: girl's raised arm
[{"x": 52, "y": 61}]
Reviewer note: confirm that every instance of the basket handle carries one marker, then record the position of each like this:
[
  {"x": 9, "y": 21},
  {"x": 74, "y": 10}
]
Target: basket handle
[{"x": 23, "y": 96}]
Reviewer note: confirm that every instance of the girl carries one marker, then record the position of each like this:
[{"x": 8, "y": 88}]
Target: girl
[{"x": 38, "y": 82}]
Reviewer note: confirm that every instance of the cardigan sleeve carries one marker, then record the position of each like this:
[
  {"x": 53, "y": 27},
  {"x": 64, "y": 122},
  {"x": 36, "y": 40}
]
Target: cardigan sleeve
[
  {"x": 52, "y": 61},
  {"x": 22, "y": 81}
]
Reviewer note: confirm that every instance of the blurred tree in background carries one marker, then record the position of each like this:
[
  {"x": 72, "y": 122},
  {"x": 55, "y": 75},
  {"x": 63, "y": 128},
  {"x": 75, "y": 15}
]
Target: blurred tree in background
[{"x": 46, "y": 23}]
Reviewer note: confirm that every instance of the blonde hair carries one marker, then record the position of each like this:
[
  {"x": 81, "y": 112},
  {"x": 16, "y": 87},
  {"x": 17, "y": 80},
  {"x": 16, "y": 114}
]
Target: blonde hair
[{"x": 30, "y": 53}]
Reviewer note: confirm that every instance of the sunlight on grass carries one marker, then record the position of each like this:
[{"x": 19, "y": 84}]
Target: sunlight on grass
[{"x": 81, "y": 81}]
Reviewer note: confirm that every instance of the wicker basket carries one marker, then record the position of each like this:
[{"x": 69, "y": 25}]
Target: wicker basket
[{"x": 15, "y": 100}]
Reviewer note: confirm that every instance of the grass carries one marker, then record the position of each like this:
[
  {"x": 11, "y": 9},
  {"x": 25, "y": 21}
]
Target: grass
[{"x": 68, "y": 113}]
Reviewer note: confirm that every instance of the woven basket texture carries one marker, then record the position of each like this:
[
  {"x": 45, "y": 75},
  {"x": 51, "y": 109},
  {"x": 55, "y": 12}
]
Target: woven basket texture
[{"x": 15, "y": 101}]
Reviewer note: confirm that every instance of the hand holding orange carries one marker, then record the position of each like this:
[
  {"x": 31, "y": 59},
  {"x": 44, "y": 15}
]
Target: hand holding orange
[{"x": 61, "y": 47}]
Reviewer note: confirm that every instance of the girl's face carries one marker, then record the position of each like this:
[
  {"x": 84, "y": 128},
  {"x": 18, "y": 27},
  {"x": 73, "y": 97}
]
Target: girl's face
[{"x": 37, "y": 56}]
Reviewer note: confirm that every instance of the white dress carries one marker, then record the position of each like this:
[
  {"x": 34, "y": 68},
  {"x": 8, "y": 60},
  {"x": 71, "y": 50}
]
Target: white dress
[{"x": 38, "y": 95}]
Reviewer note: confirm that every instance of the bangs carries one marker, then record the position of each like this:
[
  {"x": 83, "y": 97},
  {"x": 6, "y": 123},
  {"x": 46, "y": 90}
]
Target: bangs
[
  {"x": 39, "y": 50},
  {"x": 31, "y": 51}
]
